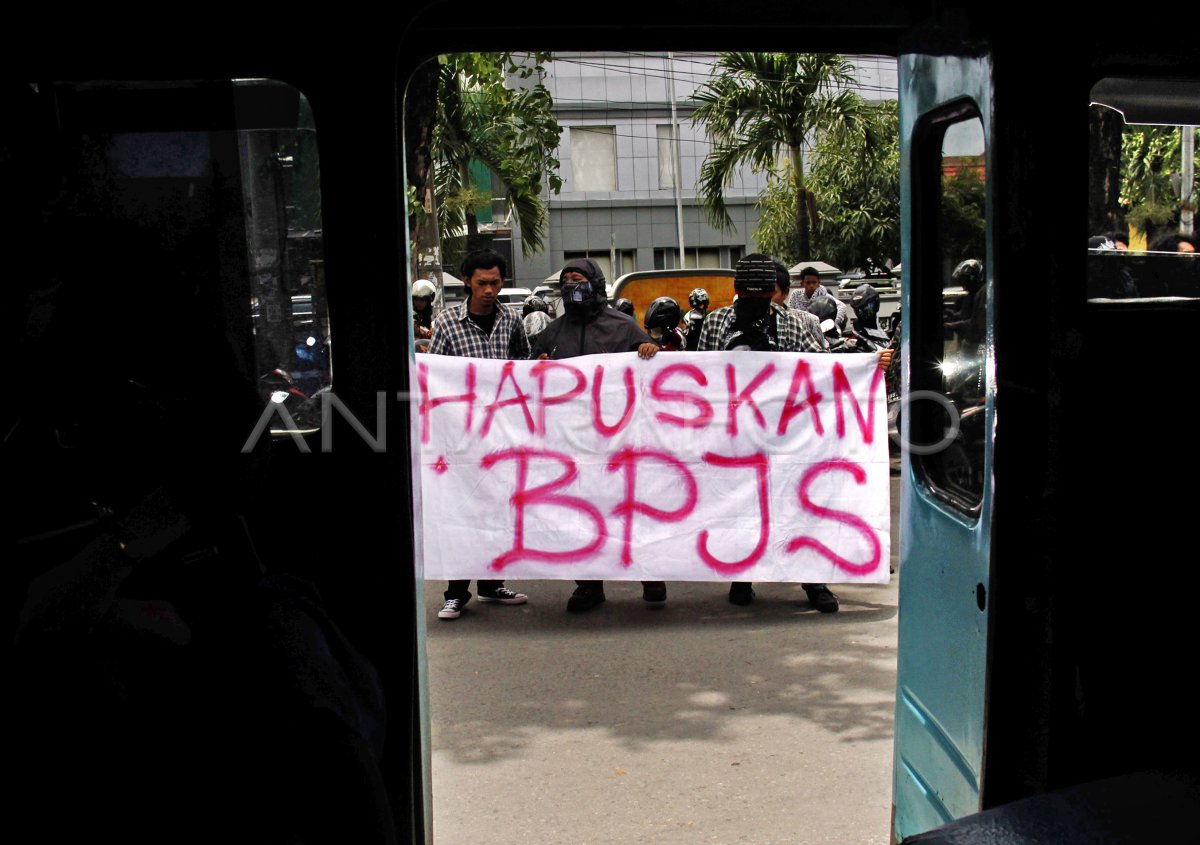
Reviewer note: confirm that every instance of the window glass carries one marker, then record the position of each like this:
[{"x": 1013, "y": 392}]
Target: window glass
[
  {"x": 950, "y": 373},
  {"x": 666, "y": 156},
  {"x": 1142, "y": 190},
  {"x": 593, "y": 158},
  {"x": 224, "y": 186},
  {"x": 601, "y": 258}
]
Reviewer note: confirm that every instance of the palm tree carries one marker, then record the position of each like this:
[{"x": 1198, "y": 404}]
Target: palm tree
[
  {"x": 761, "y": 103},
  {"x": 510, "y": 131}
]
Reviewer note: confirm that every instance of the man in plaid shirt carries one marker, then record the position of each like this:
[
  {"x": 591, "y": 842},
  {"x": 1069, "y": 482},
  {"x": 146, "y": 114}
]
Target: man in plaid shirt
[
  {"x": 481, "y": 327},
  {"x": 756, "y": 318},
  {"x": 757, "y": 321},
  {"x": 810, "y": 288}
]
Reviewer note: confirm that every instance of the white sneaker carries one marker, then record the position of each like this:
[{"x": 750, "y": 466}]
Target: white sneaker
[
  {"x": 452, "y": 609},
  {"x": 504, "y": 595}
]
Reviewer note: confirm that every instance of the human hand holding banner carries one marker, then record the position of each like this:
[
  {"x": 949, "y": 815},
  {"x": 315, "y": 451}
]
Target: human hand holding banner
[{"x": 691, "y": 466}]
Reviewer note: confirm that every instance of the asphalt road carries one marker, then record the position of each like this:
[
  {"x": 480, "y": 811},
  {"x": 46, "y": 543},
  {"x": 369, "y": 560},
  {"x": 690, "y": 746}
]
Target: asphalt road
[{"x": 698, "y": 722}]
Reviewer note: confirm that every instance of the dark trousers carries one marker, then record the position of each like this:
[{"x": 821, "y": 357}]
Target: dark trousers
[
  {"x": 747, "y": 583},
  {"x": 462, "y": 589},
  {"x": 599, "y": 585}
]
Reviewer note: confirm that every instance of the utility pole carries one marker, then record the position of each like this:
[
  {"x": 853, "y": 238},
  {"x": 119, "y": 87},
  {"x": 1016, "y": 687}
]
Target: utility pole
[
  {"x": 675, "y": 154},
  {"x": 1187, "y": 198}
]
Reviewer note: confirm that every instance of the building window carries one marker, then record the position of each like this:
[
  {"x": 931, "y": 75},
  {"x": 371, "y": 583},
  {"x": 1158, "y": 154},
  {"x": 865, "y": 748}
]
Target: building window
[
  {"x": 603, "y": 259},
  {"x": 666, "y": 156},
  {"x": 594, "y": 158},
  {"x": 667, "y": 258}
]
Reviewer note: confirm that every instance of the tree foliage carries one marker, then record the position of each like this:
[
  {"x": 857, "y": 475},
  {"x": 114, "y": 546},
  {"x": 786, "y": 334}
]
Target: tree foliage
[
  {"x": 963, "y": 223},
  {"x": 482, "y": 117},
  {"x": 758, "y": 105},
  {"x": 855, "y": 180},
  {"x": 1150, "y": 155}
]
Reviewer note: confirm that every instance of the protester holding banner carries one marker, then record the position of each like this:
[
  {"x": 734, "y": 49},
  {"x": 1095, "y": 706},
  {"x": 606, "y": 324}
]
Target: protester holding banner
[
  {"x": 589, "y": 326},
  {"x": 481, "y": 327},
  {"x": 757, "y": 322}
]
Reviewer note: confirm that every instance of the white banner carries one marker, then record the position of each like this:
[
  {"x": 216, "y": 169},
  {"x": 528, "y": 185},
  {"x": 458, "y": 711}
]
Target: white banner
[{"x": 690, "y": 466}]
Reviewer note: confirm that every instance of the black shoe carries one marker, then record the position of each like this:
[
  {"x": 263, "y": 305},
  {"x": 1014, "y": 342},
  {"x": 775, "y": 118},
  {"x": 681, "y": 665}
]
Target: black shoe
[
  {"x": 584, "y": 598},
  {"x": 822, "y": 598},
  {"x": 741, "y": 593},
  {"x": 654, "y": 592}
]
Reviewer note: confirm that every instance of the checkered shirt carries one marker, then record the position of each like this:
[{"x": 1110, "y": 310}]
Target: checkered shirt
[
  {"x": 454, "y": 333},
  {"x": 798, "y": 301},
  {"x": 797, "y": 331}
]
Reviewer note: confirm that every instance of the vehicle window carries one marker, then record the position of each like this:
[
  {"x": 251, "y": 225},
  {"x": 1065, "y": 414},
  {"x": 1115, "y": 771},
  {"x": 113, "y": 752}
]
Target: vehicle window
[
  {"x": 1142, "y": 189},
  {"x": 228, "y": 186},
  {"x": 950, "y": 365}
]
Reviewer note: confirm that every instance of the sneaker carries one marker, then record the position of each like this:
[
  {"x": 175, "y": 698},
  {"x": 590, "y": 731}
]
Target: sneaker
[
  {"x": 822, "y": 598},
  {"x": 584, "y": 598},
  {"x": 741, "y": 593},
  {"x": 452, "y": 609},
  {"x": 503, "y": 595},
  {"x": 654, "y": 592}
]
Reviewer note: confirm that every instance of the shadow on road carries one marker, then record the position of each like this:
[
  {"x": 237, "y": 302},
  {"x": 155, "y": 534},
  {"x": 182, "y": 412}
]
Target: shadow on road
[{"x": 641, "y": 674}]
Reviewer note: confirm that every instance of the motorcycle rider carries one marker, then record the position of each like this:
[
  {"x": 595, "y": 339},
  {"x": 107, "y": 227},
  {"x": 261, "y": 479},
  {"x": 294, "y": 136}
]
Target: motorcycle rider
[
  {"x": 810, "y": 287},
  {"x": 969, "y": 320},
  {"x": 693, "y": 320},
  {"x": 589, "y": 326},
  {"x": 662, "y": 324},
  {"x": 823, "y": 308},
  {"x": 625, "y": 307},
  {"x": 423, "y": 293},
  {"x": 535, "y": 316}
]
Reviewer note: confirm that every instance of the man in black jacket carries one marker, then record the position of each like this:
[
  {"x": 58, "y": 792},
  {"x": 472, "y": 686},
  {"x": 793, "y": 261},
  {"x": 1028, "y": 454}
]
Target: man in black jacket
[{"x": 588, "y": 327}]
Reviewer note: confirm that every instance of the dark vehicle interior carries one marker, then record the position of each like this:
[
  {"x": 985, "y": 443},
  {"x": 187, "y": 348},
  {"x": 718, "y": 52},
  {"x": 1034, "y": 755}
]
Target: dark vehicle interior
[{"x": 210, "y": 631}]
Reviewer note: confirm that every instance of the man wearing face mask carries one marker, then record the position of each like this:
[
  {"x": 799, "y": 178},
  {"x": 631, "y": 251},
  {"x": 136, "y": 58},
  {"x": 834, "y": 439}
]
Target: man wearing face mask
[
  {"x": 757, "y": 323},
  {"x": 589, "y": 327},
  {"x": 754, "y": 321}
]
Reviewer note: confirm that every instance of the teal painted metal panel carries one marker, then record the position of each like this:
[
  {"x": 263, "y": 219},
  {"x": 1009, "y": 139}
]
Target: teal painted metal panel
[{"x": 944, "y": 553}]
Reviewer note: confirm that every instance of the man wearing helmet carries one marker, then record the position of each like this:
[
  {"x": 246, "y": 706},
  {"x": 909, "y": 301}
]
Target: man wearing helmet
[
  {"x": 662, "y": 324},
  {"x": 625, "y": 306},
  {"x": 693, "y": 321},
  {"x": 535, "y": 316},
  {"x": 588, "y": 327},
  {"x": 756, "y": 322},
  {"x": 481, "y": 327},
  {"x": 423, "y": 292},
  {"x": 865, "y": 303},
  {"x": 969, "y": 321}
]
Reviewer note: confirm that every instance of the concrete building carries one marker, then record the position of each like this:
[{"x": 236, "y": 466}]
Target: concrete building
[{"x": 619, "y": 163}]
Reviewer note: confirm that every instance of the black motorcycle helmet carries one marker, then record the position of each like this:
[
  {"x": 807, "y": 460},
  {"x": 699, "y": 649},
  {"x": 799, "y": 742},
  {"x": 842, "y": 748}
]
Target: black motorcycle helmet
[
  {"x": 624, "y": 306},
  {"x": 823, "y": 308},
  {"x": 968, "y": 273},
  {"x": 534, "y": 303},
  {"x": 663, "y": 314},
  {"x": 698, "y": 299},
  {"x": 865, "y": 303}
]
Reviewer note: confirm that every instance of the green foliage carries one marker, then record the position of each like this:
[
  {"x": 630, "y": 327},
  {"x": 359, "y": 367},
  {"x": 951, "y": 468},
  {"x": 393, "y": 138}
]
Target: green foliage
[
  {"x": 963, "y": 216},
  {"x": 511, "y": 130},
  {"x": 856, "y": 179},
  {"x": 777, "y": 234},
  {"x": 759, "y": 105},
  {"x": 1150, "y": 155}
]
